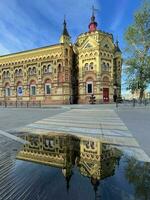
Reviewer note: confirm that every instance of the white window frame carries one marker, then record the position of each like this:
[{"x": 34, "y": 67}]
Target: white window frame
[
  {"x": 7, "y": 94},
  {"x": 31, "y": 90},
  {"x": 19, "y": 86},
  {"x": 47, "y": 84},
  {"x": 88, "y": 83},
  {"x": 49, "y": 68}
]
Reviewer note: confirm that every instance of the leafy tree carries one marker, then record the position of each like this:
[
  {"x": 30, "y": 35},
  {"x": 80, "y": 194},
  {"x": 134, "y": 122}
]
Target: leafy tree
[{"x": 137, "y": 62}]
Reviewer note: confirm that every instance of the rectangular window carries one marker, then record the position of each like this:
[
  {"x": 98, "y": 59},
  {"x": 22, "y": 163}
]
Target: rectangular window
[
  {"x": 32, "y": 90},
  {"x": 89, "y": 88},
  {"x": 7, "y": 92},
  {"x": 47, "y": 88}
]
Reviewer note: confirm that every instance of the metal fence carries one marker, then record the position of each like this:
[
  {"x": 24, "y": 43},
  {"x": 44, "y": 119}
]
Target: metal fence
[
  {"x": 133, "y": 103},
  {"x": 20, "y": 104}
]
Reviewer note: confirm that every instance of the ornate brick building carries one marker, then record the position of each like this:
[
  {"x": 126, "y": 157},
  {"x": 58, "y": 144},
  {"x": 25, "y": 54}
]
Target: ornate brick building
[{"x": 64, "y": 72}]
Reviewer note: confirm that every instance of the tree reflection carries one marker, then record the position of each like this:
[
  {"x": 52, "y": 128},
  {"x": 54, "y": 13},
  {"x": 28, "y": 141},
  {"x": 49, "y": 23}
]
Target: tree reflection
[{"x": 138, "y": 173}]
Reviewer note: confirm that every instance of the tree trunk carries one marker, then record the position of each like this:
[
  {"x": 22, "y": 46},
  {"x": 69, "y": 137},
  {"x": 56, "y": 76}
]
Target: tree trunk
[{"x": 141, "y": 95}]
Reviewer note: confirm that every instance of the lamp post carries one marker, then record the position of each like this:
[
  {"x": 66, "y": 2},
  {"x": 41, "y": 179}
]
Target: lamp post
[{"x": 115, "y": 92}]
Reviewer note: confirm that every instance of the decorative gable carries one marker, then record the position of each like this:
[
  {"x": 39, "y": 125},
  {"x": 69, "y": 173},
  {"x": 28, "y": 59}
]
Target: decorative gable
[
  {"x": 89, "y": 43},
  {"x": 107, "y": 44}
]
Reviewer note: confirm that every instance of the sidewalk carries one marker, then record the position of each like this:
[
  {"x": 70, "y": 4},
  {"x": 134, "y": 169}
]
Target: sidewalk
[{"x": 138, "y": 122}]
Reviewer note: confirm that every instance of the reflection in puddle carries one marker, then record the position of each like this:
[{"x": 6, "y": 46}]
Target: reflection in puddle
[
  {"x": 90, "y": 157},
  {"x": 66, "y": 167},
  {"x": 93, "y": 158}
]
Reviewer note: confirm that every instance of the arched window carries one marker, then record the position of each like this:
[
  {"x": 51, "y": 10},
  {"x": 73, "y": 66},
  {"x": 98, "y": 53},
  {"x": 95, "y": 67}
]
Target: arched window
[
  {"x": 32, "y": 88},
  {"x": 44, "y": 68},
  {"x": 18, "y": 72},
  {"x": 29, "y": 71},
  {"x": 19, "y": 89},
  {"x": 4, "y": 74},
  {"x": 34, "y": 70},
  {"x": 7, "y": 90},
  {"x": 107, "y": 67},
  {"x": 59, "y": 68},
  {"x": 49, "y": 68},
  {"x": 7, "y": 74},
  {"x": 91, "y": 66},
  {"x": 47, "y": 87},
  {"x": 104, "y": 66},
  {"x": 86, "y": 66}
]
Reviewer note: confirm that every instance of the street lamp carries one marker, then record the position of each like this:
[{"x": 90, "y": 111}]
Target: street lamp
[{"x": 115, "y": 92}]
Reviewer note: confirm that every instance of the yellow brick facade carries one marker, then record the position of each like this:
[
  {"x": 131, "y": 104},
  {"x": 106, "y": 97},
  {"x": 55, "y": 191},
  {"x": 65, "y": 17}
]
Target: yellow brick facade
[{"x": 64, "y": 73}]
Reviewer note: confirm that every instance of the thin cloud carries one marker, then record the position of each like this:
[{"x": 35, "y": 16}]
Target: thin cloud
[
  {"x": 30, "y": 24},
  {"x": 3, "y": 50},
  {"x": 120, "y": 14}
]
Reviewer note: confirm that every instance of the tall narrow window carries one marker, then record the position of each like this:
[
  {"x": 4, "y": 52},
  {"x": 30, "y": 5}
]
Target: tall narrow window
[
  {"x": 32, "y": 90},
  {"x": 19, "y": 91},
  {"x": 7, "y": 91},
  {"x": 86, "y": 66},
  {"x": 89, "y": 87},
  {"x": 47, "y": 88},
  {"x": 49, "y": 69},
  {"x": 91, "y": 66}
]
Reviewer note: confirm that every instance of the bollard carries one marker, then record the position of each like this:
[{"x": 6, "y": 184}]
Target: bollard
[
  {"x": 116, "y": 104},
  {"x": 5, "y": 104}
]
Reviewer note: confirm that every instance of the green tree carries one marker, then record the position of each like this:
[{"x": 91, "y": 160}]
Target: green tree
[{"x": 137, "y": 62}]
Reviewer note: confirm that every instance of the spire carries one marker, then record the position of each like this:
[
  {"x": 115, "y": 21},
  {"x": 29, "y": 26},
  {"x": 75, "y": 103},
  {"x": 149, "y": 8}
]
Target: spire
[
  {"x": 65, "y": 32},
  {"x": 65, "y": 37},
  {"x": 93, "y": 24},
  {"x": 117, "y": 49}
]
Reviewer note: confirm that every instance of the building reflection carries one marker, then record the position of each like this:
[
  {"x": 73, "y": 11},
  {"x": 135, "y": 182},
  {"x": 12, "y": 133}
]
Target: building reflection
[{"x": 93, "y": 158}]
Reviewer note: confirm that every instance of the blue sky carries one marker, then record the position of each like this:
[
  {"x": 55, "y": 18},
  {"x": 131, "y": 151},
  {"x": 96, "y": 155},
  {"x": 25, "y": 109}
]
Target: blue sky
[{"x": 28, "y": 24}]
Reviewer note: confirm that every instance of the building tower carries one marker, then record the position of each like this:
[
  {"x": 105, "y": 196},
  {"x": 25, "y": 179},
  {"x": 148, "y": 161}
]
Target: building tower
[
  {"x": 117, "y": 71},
  {"x": 99, "y": 65}
]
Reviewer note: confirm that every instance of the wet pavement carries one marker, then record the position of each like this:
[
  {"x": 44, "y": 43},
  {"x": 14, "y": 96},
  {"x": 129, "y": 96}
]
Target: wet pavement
[
  {"x": 63, "y": 166},
  {"x": 104, "y": 124}
]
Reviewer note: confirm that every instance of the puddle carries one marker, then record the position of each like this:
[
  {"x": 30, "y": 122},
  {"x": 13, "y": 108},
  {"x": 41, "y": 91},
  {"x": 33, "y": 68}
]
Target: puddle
[{"x": 61, "y": 167}]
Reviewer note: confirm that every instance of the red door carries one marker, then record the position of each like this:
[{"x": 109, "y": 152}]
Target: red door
[{"x": 105, "y": 95}]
